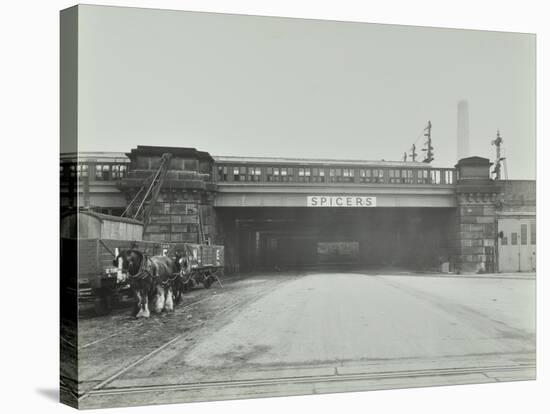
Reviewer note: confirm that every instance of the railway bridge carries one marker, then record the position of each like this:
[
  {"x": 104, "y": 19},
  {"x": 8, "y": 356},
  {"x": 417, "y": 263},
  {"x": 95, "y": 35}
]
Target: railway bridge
[{"x": 293, "y": 213}]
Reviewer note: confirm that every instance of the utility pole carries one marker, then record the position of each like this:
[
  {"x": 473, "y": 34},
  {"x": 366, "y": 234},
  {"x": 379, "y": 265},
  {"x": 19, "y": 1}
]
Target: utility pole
[
  {"x": 429, "y": 149},
  {"x": 497, "y": 143},
  {"x": 413, "y": 153}
]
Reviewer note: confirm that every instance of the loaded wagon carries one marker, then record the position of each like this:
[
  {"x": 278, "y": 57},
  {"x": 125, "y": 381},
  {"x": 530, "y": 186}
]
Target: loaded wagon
[
  {"x": 202, "y": 263},
  {"x": 99, "y": 283},
  {"x": 96, "y": 238}
]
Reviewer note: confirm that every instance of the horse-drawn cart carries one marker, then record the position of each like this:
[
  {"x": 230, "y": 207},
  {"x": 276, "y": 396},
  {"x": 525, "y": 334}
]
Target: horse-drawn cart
[
  {"x": 101, "y": 283},
  {"x": 200, "y": 264}
]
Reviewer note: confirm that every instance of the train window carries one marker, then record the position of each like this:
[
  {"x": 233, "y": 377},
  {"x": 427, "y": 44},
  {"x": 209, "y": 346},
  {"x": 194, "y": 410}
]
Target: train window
[
  {"x": 317, "y": 175},
  {"x": 102, "y": 172},
  {"x": 523, "y": 234},
  {"x": 348, "y": 175},
  {"x": 435, "y": 176},
  {"x": 378, "y": 176},
  {"x": 423, "y": 176},
  {"x": 335, "y": 174},
  {"x": 222, "y": 173},
  {"x": 533, "y": 226},
  {"x": 81, "y": 170},
  {"x": 273, "y": 174},
  {"x": 290, "y": 173},
  {"x": 394, "y": 176},
  {"x": 449, "y": 177},
  {"x": 254, "y": 173},
  {"x": 284, "y": 171},
  {"x": 118, "y": 171},
  {"x": 365, "y": 175},
  {"x": 514, "y": 239},
  {"x": 236, "y": 175},
  {"x": 304, "y": 174},
  {"x": 406, "y": 176}
]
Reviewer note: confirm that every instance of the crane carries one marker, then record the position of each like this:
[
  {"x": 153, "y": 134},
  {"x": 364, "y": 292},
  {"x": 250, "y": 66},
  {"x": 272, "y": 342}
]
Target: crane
[{"x": 142, "y": 204}]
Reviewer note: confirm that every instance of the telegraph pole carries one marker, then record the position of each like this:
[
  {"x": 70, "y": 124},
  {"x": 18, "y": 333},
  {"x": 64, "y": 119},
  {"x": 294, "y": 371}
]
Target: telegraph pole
[
  {"x": 413, "y": 153},
  {"x": 497, "y": 143},
  {"x": 429, "y": 150}
]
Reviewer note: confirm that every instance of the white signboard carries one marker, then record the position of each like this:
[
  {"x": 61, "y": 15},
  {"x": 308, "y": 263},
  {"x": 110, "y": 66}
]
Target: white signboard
[{"x": 341, "y": 201}]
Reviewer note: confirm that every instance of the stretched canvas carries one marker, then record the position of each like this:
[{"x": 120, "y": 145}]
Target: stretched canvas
[{"x": 265, "y": 206}]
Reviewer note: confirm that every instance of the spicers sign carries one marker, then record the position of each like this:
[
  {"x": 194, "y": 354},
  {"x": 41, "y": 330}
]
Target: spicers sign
[{"x": 341, "y": 201}]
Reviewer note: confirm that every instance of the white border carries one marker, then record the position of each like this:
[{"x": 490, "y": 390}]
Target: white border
[{"x": 29, "y": 131}]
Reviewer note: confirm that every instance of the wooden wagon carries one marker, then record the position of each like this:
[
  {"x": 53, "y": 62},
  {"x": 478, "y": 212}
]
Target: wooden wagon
[{"x": 95, "y": 239}]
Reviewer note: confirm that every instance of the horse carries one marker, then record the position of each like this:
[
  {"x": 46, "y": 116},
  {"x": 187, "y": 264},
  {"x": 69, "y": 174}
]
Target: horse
[
  {"x": 151, "y": 278},
  {"x": 182, "y": 282}
]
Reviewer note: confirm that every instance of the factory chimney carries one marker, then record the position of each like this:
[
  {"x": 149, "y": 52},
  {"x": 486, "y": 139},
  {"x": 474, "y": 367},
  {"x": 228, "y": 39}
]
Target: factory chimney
[{"x": 462, "y": 130}]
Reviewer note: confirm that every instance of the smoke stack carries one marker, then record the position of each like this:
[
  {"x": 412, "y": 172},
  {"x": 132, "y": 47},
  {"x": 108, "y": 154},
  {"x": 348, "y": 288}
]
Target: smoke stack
[{"x": 462, "y": 130}]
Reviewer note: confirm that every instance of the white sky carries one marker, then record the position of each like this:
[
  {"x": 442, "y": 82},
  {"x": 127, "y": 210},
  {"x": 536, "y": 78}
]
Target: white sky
[{"x": 263, "y": 86}]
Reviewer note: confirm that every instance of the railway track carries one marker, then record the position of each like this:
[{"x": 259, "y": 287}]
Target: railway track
[
  {"x": 138, "y": 324},
  {"x": 491, "y": 374},
  {"x": 225, "y": 310}
]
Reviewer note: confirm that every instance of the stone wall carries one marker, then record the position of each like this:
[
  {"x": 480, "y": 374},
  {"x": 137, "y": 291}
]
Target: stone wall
[
  {"x": 476, "y": 233},
  {"x": 476, "y": 222},
  {"x": 177, "y": 216}
]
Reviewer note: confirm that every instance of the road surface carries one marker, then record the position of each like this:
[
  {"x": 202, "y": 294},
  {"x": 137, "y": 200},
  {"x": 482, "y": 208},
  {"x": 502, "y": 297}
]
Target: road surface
[{"x": 315, "y": 332}]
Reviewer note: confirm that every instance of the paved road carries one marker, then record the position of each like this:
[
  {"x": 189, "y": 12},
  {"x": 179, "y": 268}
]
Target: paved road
[{"x": 349, "y": 332}]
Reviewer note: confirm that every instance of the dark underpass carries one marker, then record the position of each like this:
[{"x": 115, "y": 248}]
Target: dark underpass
[{"x": 336, "y": 238}]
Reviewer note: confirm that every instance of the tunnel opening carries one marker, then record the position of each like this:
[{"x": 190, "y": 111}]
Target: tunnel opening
[{"x": 285, "y": 238}]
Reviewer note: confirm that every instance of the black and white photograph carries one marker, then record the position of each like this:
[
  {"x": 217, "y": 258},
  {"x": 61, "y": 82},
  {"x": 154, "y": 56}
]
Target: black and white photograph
[
  {"x": 260, "y": 206},
  {"x": 264, "y": 206}
]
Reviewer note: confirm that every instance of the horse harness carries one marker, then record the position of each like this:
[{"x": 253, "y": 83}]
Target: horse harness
[{"x": 146, "y": 270}]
